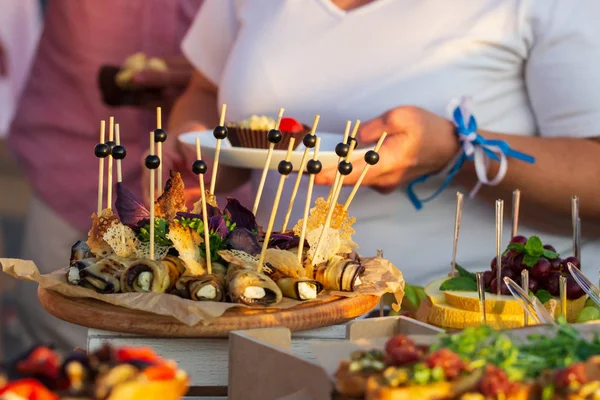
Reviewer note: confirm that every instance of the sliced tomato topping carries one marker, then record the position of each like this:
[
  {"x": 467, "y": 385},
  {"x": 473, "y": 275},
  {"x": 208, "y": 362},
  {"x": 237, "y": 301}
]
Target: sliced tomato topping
[
  {"x": 125, "y": 354},
  {"x": 161, "y": 372},
  {"x": 29, "y": 389}
]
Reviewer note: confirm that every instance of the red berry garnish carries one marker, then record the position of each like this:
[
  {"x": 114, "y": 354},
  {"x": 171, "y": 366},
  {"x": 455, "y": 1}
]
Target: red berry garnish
[
  {"x": 448, "y": 360},
  {"x": 575, "y": 373},
  {"x": 125, "y": 354},
  {"x": 398, "y": 341},
  {"x": 402, "y": 355},
  {"x": 290, "y": 125}
]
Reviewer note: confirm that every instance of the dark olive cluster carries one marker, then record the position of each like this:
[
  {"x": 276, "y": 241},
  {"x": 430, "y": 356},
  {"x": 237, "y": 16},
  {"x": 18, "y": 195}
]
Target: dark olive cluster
[
  {"x": 199, "y": 167},
  {"x": 152, "y": 161},
  {"x": 119, "y": 152},
  {"x": 220, "y": 132},
  {"x": 274, "y": 136},
  {"x": 111, "y": 144},
  {"x": 102, "y": 150},
  {"x": 285, "y": 167},
  {"x": 309, "y": 141},
  {"x": 352, "y": 140},
  {"x": 342, "y": 149},
  {"x": 160, "y": 135},
  {"x": 314, "y": 167}
]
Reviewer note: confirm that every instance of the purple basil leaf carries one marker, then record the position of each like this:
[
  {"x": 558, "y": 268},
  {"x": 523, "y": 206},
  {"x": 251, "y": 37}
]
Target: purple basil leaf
[
  {"x": 243, "y": 240},
  {"x": 131, "y": 211},
  {"x": 217, "y": 224},
  {"x": 240, "y": 215},
  {"x": 284, "y": 241}
]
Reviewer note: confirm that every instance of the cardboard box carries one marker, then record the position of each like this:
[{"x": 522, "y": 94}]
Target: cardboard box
[{"x": 261, "y": 365}]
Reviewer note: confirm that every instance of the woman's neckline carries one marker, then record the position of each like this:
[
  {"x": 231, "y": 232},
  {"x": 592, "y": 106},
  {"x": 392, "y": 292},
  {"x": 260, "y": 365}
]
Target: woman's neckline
[{"x": 361, "y": 9}]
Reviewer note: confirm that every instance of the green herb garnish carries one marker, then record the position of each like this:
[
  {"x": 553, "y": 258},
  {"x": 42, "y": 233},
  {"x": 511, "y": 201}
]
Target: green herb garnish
[
  {"x": 532, "y": 251},
  {"x": 161, "y": 229},
  {"x": 543, "y": 295}
]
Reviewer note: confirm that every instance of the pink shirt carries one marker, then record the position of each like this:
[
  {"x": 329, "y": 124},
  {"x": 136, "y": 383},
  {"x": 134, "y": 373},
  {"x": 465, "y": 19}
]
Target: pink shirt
[{"x": 57, "y": 122}]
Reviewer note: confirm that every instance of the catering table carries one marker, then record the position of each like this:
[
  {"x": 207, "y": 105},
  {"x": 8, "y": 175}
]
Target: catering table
[{"x": 206, "y": 359}]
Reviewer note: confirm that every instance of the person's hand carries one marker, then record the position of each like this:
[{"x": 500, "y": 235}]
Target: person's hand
[
  {"x": 418, "y": 143},
  {"x": 3, "y": 61}
]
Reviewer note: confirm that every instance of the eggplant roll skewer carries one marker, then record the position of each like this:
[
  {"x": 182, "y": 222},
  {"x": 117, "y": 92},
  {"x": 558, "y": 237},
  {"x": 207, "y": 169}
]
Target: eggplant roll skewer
[
  {"x": 80, "y": 251},
  {"x": 73, "y": 274},
  {"x": 104, "y": 276},
  {"x": 209, "y": 287},
  {"x": 250, "y": 287},
  {"x": 339, "y": 274},
  {"x": 151, "y": 276},
  {"x": 293, "y": 288}
]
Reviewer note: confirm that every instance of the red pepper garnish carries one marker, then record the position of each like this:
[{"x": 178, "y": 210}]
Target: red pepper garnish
[
  {"x": 161, "y": 372},
  {"x": 42, "y": 361},
  {"x": 125, "y": 354},
  {"x": 288, "y": 124},
  {"x": 29, "y": 389}
]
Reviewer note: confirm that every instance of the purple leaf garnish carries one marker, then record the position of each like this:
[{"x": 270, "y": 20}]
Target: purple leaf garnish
[
  {"x": 130, "y": 210},
  {"x": 284, "y": 241},
  {"x": 218, "y": 225},
  {"x": 240, "y": 215},
  {"x": 243, "y": 240}
]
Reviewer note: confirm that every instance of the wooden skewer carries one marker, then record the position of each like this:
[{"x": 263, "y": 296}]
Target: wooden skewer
[
  {"x": 481, "y": 295},
  {"x": 213, "y": 180},
  {"x": 332, "y": 204},
  {"x": 119, "y": 164},
  {"x": 525, "y": 286},
  {"x": 363, "y": 173},
  {"x": 576, "y": 229},
  {"x": 204, "y": 211},
  {"x": 515, "y": 214},
  {"x": 499, "y": 223},
  {"x": 159, "y": 151},
  {"x": 111, "y": 138},
  {"x": 299, "y": 177},
  {"x": 101, "y": 169},
  {"x": 263, "y": 177},
  {"x": 282, "y": 179},
  {"x": 562, "y": 281},
  {"x": 337, "y": 174},
  {"x": 152, "y": 194},
  {"x": 457, "y": 220},
  {"x": 311, "y": 184}
]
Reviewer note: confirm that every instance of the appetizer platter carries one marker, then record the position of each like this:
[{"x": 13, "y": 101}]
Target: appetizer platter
[
  {"x": 247, "y": 140},
  {"x": 211, "y": 269},
  {"x": 125, "y": 373},
  {"x": 478, "y": 363},
  {"x": 526, "y": 265}
]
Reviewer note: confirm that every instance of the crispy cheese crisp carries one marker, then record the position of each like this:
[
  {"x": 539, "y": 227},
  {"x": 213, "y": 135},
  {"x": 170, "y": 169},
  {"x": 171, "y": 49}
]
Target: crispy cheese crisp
[
  {"x": 187, "y": 241},
  {"x": 318, "y": 214},
  {"x": 211, "y": 200},
  {"x": 172, "y": 200},
  {"x": 100, "y": 224}
]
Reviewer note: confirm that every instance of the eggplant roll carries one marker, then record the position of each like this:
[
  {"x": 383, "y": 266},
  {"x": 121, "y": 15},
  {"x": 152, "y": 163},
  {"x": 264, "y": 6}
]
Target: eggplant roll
[
  {"x": 73, "y": 274},
  {"x": 80, "y": 251},
  {"x": 209, "y": 287},
  {"x": 293, "y": 288},
  {"x": 339, "y": 274},
  {"x": 104, "y": 276},
  {"x": 152, "y": 276},
  {"x": 250, "y": 287}
]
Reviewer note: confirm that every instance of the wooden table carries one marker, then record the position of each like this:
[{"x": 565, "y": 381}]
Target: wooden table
[{"x": 206, "y": 359}]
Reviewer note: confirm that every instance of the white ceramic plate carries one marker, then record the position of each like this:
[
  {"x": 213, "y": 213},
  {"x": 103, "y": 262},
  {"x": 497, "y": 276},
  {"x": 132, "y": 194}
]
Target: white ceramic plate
[{"x": 244, "y": 157}]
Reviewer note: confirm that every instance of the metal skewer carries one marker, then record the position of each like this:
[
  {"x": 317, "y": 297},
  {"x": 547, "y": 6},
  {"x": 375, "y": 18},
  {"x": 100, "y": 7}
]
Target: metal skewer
[
  {"x": 499, "y": 221},
  {"x": 525, "y": 286},
  {"x": 576, "y": 227},
  {"x": 515, "y": 211},
  {"x": 481, "y": 292}
]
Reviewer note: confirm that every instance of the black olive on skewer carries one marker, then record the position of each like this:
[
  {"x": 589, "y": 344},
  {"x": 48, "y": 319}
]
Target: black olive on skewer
[
  {"x": 345, "y": 168},
  {"x": 101, "y": 150},
  {"x": 314, "y": 166},
  {"x": 309, "y": 141},
  {"x": 199, "y": 167},
  {"x": 342, "y": 149},
  {"x": 220, "y": 132},
  {"x": 285, "y": 167},
  {"x": 111, "y": 144},
  {"x": 119, "y": 152},
  {"x": 352, "y": 140},
  {"x": 152, "y": 162},
  {"x": 371, "y": 157},
  {"x": 274, "y": 136},
  {"x": 160, "y": 135}
]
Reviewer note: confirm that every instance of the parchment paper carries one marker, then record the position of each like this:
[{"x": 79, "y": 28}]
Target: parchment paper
[{"x": 380, "y": 277}]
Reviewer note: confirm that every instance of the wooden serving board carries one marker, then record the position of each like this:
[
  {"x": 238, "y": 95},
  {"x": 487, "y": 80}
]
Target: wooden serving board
[{"x": 99, "y": 315}]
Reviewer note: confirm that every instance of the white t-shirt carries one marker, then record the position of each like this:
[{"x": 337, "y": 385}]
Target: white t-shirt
[{"x": 531, "y": 67}]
